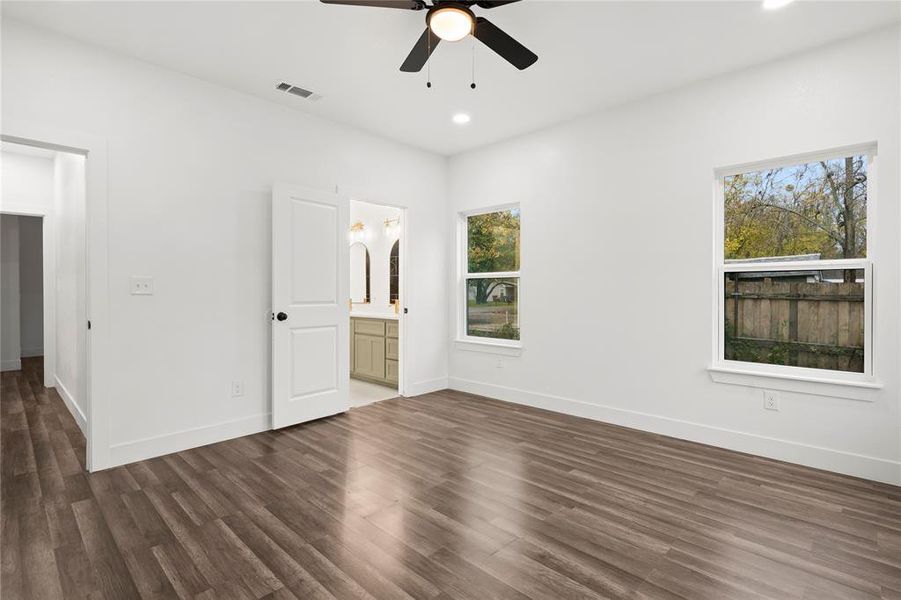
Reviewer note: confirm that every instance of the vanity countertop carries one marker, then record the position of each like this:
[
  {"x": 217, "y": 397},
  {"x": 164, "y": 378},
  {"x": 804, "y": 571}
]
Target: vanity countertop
[{"x": 385, "y": 316}]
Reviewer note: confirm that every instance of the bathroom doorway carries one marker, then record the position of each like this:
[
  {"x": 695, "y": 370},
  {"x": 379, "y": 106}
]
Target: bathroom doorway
[{"x": 376, "y": 255}]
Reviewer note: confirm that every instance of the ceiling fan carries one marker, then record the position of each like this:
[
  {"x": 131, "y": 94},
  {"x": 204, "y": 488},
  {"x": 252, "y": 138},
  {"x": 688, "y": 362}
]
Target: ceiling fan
[{"x": 451, "y": 21}]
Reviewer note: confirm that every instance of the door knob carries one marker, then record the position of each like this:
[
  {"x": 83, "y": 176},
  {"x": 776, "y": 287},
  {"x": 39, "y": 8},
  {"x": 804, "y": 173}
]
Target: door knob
[{"x": 281, "y": 316}]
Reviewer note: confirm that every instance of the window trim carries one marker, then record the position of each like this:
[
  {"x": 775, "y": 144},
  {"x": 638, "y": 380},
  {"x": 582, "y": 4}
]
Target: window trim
[
  {"x": 463, "y": 340},
  {"x": 812, "y": 380}
]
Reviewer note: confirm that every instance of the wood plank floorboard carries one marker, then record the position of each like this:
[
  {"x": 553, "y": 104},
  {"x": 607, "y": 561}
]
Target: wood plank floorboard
[{"x": 446, "y": 496}]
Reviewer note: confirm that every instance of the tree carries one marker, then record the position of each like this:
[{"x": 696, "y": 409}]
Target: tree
[{"x": 815, "y": 208}]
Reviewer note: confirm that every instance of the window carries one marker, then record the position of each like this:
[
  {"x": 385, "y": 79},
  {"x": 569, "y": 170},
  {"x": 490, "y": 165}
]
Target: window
[
  {"x": 794, "y": 280},
  {"x": 491, "y": 275},
  {"x": 394, "y": 273}
]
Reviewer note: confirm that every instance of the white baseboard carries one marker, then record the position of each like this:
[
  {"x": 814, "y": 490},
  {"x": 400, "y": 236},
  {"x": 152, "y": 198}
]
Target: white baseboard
[
  {"x": 160, "y": 445},
  {"x": 73, "y": 407},
  {"x": 11, "y": 365},
  {"x": 424, "y": 387},
  {"x": 32, "y": 352},
  {"x": 848, "y": 463}
]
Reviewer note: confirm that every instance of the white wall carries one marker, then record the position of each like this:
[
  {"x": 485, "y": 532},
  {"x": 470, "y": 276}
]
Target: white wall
[
  {"x": 10, "y": 350},
  {"x": 622, "y": 203},
  {"x": 31, "y": 286},
  {"x": 69, "y": 214},
  {"x": 191, "y": 166},
  {"x": 379, "y": 243}
]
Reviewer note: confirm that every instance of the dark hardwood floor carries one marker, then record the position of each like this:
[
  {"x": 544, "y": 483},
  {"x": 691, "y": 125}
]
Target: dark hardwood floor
[{"x": 444, "y": 496}]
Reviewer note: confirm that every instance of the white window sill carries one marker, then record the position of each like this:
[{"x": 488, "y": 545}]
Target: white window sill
[
  {"x": 489, "y": 347},
  {"x": 802, "y": 384}
]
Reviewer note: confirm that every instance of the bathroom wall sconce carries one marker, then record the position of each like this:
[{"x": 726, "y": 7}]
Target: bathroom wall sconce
[
  {"x": 391, "y": 226},
  {"x": 357, "y": 232}
]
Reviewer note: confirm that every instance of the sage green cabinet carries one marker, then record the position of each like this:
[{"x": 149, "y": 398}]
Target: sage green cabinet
[{"x": 374, "y": 350}]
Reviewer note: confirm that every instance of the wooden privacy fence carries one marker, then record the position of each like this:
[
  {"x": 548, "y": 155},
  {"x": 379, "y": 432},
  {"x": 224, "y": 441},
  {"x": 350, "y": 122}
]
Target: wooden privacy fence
[{"x": 818, "y": 325}]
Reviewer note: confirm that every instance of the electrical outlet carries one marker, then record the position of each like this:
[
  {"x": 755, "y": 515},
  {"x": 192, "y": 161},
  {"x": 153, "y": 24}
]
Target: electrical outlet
[
  {"x": 770, "y": 400},
  {"x": 141, "y": 285},
  {"x": 500, "y": 363},
  {"x": 237, "y": 388}
]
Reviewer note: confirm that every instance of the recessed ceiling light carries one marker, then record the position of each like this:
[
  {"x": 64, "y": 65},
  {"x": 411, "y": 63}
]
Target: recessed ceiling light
[
  {"x": 461, "y": 118},
  {"x": 774, "y": 4}
]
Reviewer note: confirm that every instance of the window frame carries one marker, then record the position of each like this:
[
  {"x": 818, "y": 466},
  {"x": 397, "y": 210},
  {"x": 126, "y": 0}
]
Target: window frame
[
  {"x": 771, "y": 376},
  {"x": 464, "y": 340}
]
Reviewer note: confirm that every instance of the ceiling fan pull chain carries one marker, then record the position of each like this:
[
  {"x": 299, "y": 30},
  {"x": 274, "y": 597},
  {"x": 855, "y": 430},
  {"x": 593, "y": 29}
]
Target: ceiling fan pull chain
[
  {"x": 428, "y": 66},
  {"x": 473, "y": 84}
]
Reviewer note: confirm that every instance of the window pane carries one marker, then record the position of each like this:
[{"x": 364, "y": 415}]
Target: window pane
[
  {"x": 493, "y": 241},
  {"x": 492, "y": 308},
  {"x": 799, "y": 318},
  {"x": 809, "y": 211}
]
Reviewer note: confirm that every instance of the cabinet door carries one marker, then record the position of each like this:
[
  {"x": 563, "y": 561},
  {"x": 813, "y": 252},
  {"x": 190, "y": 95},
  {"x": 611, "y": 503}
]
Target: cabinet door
[
  {"x": 391, "y": 347},
  {"x": 391, "y": 370},
  {"x": 369, "y": 355},
  {"x": 353, "y": 366}
]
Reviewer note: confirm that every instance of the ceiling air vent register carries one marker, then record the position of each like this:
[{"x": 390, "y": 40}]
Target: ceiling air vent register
[{"x": 294, "y": 90}]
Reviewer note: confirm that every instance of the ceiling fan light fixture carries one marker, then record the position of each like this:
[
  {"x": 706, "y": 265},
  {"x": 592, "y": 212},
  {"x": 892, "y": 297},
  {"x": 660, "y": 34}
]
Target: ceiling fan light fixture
[
  {"x": 451, "y": 23},
  {"x": 775, "y": 4}
]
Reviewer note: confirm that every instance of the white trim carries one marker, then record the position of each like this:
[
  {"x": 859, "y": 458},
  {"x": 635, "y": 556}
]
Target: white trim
[
  {"x": 792, "y": 382},
  {"x": 800, "y": 265},
  {"x": 13, "y": 364},
  {"x": 497, "y": 347},
  {"x": 489, "y": 209},
  {"x": 48, "y": 281},
  {"x": 838, "y": 461},
  {"x": 95, "y": 364},
  {"x": 129, "y": 452},
  {"x": 70, "y": 403},
  {"x": 428, "y": 386},
  {"x": 32, "y": 352},
  {"x": 865, "y": 149}
]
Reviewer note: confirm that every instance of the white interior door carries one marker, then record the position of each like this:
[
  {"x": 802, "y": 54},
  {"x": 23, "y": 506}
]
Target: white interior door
[{"x": 310, "y": 287}]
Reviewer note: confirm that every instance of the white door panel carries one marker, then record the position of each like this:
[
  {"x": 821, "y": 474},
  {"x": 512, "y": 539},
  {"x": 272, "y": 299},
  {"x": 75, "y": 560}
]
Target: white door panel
[{"x": 310, "y": 364}]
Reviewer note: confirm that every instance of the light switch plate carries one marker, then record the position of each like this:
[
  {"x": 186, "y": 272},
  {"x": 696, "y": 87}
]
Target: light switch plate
[{"x": 141, "y": 285}]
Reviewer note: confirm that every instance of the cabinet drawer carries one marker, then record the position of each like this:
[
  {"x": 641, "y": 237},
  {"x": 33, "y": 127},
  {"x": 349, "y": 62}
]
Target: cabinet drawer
[
  {"x": 369, "y": 356},
  {"x": 391, "y": 345},
  {"x": 391, "y": 329},
  {"x": 391, "y": 370},
  {"x": 369, "y": 326}
]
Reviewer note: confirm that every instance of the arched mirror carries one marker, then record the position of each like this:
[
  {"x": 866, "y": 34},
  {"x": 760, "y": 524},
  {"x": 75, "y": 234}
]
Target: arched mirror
[
  {"x": 394, "y": 273},
  {"x": 359, "y": 273}
]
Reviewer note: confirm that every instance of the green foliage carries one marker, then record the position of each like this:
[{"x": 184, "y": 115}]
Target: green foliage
[
  {"x": 507, "y": 331},
  {"x": 815, "y": 208},
  {"x": 493, "y": 241}
]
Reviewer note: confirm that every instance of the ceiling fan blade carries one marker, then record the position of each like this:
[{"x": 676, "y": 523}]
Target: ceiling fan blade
[
  {"x": 403, "y": 4},
  {"x": 493, "y": 3},
  {"x": 509, "y": 49},
  {"x": 420, "y": 52}
]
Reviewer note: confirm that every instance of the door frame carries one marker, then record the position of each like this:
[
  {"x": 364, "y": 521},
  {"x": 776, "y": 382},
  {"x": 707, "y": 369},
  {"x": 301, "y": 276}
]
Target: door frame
[
  {"x": 94, "y": 366},
  {"x": 48, "y": 300},
  {"x": 403, "y": 290}
]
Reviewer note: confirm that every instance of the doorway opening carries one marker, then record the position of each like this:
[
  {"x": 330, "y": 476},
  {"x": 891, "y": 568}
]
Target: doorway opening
[
  {"x": 376, "y": 240},
  {"x": 44, "y": 298}
]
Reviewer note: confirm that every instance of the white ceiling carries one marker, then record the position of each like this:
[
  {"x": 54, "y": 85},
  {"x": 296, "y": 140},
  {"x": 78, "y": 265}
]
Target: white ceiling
[{"x": 591, "y": 54}]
